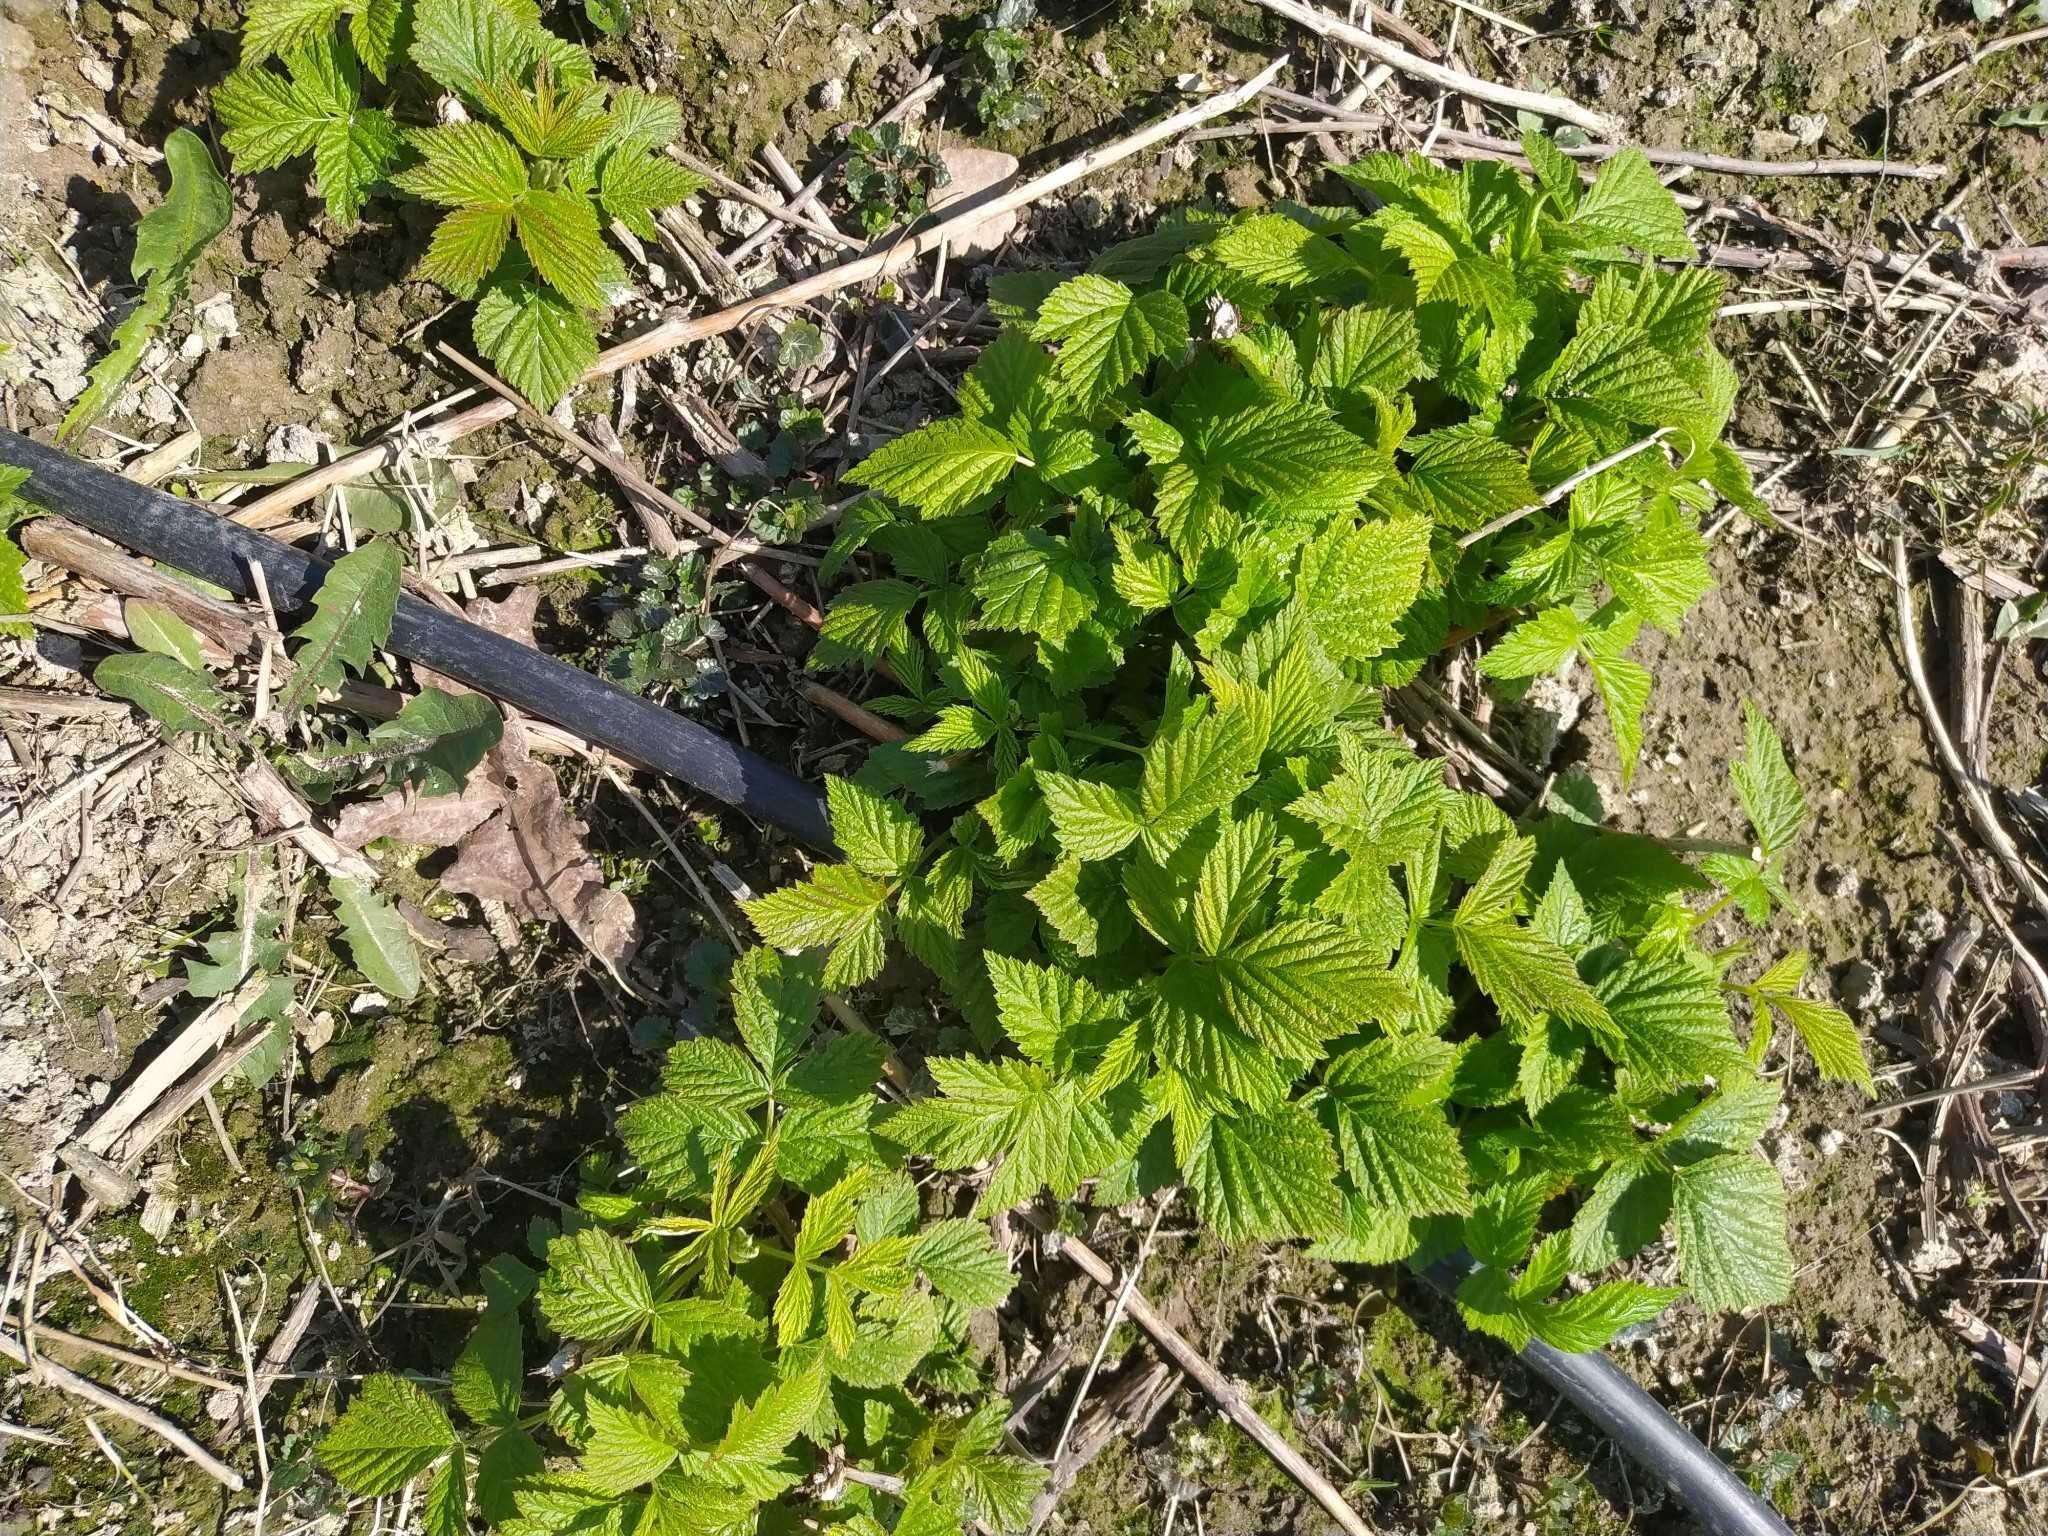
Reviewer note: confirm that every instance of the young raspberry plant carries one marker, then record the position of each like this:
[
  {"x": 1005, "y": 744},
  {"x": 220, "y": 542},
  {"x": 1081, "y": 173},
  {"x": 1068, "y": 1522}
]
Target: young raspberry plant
[
  {"x": 530, "y": 154},
  {"x": 1211, "y": 922},
  {"x": 757, "y": 1328}
]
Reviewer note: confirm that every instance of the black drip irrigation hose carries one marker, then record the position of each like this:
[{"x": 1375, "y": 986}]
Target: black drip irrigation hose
[
  {"x": 1719, "y": 1501},
  {"x": 192, "y": 538}
]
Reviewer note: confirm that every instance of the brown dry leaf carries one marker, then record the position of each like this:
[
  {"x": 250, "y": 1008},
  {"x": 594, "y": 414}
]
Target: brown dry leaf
[
  {"x": 515, "y": 840},
  {"x": 532, "y": 857},
  {"x": 432, "y": 821}
]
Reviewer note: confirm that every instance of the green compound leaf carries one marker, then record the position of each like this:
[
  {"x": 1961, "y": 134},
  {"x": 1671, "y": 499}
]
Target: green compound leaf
[
  {"x": 353, "y": 610},
  {"x": 1730, "y": 1216},
  {"x": 379, "y": 941},
  {"x": 1108, "y": 333},
  {"x": 390, "y": 1434},
  {"x": 940, "y": 470}
]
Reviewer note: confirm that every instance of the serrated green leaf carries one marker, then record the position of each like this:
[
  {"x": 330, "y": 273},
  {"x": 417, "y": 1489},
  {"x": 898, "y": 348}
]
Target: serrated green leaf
[
  {"x": 486, "y": 1377},
  {"x": 1627, "y": 205},
  {"x": 445, "y": 1510},
  {"x": 877, "y": 836},
  {"x": 1589, "y": 1321},
  {"x": 1278, "y": 252},
  {"x": 389, "y": 1435},
  {"x": 1266, "y": 1176},
  {"x": 962, "y": 1262},
  {"x": 940, "y": 470},
  {"x": 273, "y": 26},
  {"x": 1356, "y": 581},
  {"x": 1465, "y": 475},
  {"x": 465, "y": 165},
  {"x": 169, "y": 240},
  {"x": 560, "y": 235},
  {"x": 169, "y": 692},
  {"x": 539, "y": 340},
  {"x": 1730, "y": 1218},
  {"x": 594, "y": 1287},
  {"x": 1091, "y": 820},
  {"x": 1396, "y": 1144},
  {"x": 626, "y": 1450},
  {"x": 1770, "y": 795},
  {"x": 1526, "y": 975},
  {"x": 634, "y": 186},
  {"x": 353, "y": 609},
  {"x": 1107, "y": 333},
  {"x": 1670, "y": 1023},
  {"x": 1370, "y": 352},
  {"x": 1035, "y": 583}
]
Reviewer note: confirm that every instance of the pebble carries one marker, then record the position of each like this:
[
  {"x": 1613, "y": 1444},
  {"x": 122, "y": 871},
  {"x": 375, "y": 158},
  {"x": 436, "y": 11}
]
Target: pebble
[
  {"x": 739, "y": 219},
  {"x": 1839, "y": 881},
  {"x": 1861, "y": 988},
  {"x": 831, "y": 94},
  {"x": 1924, "y": 927}
]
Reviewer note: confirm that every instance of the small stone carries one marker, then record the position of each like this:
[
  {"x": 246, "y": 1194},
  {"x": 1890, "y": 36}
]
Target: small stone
[
  {"x": 1099, "y": 62},
  {"x": 739, "y": 219},
  {"x": 1808, "y": 128},
  {"x": 832, "y": 94},
  {"x": 1832, "y": 1141},
  {"x": 970, "y": 173},
  {"x": 1791, "y": 599},
  {"x": 100, "y": 1089},
  {"x": 1835, "y": 12},
  {"x": 98, "y": 73},
  {"x": 1924, "y": 927},
  {"x": 1839, "y": 881},
  {"x": 1860, "y": 988}
]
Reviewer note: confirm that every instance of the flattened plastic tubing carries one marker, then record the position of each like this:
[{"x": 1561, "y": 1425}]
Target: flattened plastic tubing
[
  {"x": 1716, "y": 1498},
  {"x": 200, "y": 541}
]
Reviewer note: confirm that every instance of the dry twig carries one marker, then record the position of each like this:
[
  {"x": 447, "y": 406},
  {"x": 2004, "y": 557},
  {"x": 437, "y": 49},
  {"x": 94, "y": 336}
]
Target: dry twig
[{"x": 1442, "y": 75}]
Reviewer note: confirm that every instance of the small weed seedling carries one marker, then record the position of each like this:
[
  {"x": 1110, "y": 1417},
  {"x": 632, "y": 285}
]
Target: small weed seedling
[
  {"x": 534, "y": 155},
  {"x": 168, "y": 242},
  {"x": 889, "y": 175},
  {"x": 430, "y": 746},
  {"x": 997, "y": 52}
]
